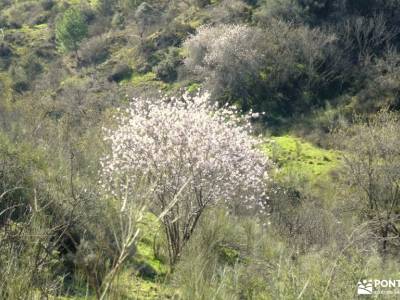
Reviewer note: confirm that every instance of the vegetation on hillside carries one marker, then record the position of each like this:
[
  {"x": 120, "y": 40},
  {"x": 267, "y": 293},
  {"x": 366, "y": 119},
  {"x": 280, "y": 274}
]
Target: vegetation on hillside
[{"x": 198, "y": 149}]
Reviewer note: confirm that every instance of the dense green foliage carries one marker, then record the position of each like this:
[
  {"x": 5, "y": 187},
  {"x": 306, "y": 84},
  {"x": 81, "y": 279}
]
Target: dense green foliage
[
  {"x": 325, "y": 72},
  {"x": 71, "y": 29}
]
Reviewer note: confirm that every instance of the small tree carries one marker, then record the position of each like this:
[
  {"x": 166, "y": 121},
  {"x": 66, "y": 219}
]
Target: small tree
[
  {"x": 230, "y": 57},
  {"x": 372, "y": 169},
  {"x": 71, "y": 29},
  {"x": 194, "y": 155},
  {"x": 145, "y": 15}
]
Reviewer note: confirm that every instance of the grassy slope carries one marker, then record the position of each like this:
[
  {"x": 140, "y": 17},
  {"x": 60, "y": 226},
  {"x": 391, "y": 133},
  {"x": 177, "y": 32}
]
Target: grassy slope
[{"x": 296, "y": 157}]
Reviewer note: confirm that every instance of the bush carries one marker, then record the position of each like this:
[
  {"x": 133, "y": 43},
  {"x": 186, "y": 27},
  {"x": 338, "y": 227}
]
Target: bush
[
  {"x": 28, "y": 12},
  {"x": 287, "y": 10},
  {"x": 173, "y": 35},
  {"x": 105, "y": 7},
  {"x": 371, "y": 176},
  {"x": 364, "y": 38},
  {"x": 166, "y": 69},
  {"x": 28, "y": 231},
  {"x": 94, "y": 50},
  {"x": 118, "y": 20},
  {"x": 381, "y": 88},
  {"x": 231, "y": 11},
  {"x": 32, "y": 66},
  {"x": 120, "y": 72},
  {"x": 47, "y": 4},
  {"x": 5, "y": 51},
  {"x": 20, "y": 80},
  {"x": 201, "y": 3}
]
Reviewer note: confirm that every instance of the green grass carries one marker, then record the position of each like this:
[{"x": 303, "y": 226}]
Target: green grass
[
  {"x": 150, "y": 227},
  {"x": 149, "y": 81},
  {"x": 145, "y": 80},
  {"x": 296, "y": 156},
  {"x": 193, "y": 88}
]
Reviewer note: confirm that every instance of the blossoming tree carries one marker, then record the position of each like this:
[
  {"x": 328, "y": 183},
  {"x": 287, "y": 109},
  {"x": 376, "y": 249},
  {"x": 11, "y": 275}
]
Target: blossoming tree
[{"x": 193, "y": 154}]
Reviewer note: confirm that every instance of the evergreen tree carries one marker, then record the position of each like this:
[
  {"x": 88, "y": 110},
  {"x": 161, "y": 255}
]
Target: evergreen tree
[{"x": 71, "y": 29}]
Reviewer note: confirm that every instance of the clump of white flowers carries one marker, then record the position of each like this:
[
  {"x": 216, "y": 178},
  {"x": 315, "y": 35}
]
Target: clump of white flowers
[{"x": 192, "y": 153}]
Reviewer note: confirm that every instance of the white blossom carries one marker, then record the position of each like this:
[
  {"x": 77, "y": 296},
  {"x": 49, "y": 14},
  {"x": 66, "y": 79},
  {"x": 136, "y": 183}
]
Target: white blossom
[{"x": 190, "y": 148}]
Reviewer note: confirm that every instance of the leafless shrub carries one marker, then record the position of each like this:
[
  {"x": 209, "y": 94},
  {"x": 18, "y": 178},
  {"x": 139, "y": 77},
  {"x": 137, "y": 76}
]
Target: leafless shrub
[
  {"x": 366, "y": 36},
  {"x": 371, "y": 166},
  {"x": 94, "y": 50},
  {"x": 381, "y": 88}
]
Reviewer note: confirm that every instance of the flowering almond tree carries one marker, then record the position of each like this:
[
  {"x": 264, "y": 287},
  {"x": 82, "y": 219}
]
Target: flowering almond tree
[
  {"x": 194, "y": 155},
  {"x": 230, "y": 58}
]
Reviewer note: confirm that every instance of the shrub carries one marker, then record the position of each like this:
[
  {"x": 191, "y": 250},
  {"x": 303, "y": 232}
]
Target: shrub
[
  {"x": 194, "y": 155},
  {"x": 287, "y": 10},
  {"x": 5, "y": 50},
  {"x": 364, "y": 38},
  {"x": 166, "y": 70},
  {"x": 371, "y": 172},
  {"x": 20, "y": 80},
  {"x": 94, "y": 50},
  {"x": 128, "y": 5},
  {"x": 231, "y": 11},
  {"x": 201, "y": 3},
  {"x": 118, "y": 20},
  {"x": 120, "y": 72},
  {"x": 173, "y": 35},
  {"x": 105, "y": 7},
  {"x": 47, "y": 4},
  {"x": 106, "y": 246},
  {"x": 27, "y": 12},
  {"x": 32, "y": 66},
  {"x": 381, "y": 88}
]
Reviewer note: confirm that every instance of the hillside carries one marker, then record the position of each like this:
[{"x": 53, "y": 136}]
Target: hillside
[{"x": 198, "y": 149}]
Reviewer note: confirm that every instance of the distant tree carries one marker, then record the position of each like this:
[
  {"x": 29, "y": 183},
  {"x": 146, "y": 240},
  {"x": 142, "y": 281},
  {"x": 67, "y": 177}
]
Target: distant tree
[
  {"x": 194, "y": 156},
  {"x": 71, "y": 29},
  {"x": 145, "y": 16},
  {"x": 229, "y": 56}
]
